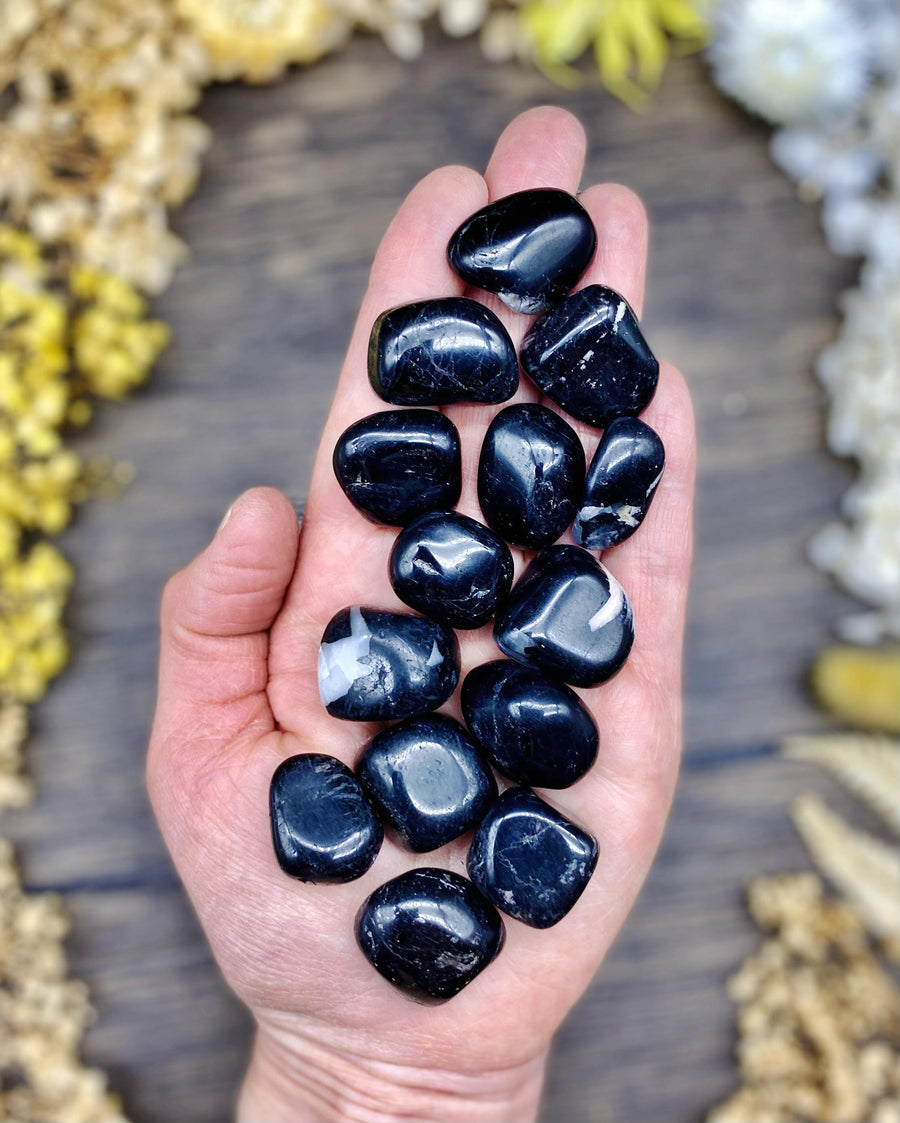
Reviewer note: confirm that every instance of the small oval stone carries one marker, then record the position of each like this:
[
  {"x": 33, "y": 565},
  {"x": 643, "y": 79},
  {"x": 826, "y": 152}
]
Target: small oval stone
[
  {"x": 530, "y": 475},
  {"x": 451, "y": 568},
  {"x": 393, "y": 466},
  {"x": 568, "y": 617},
  {"x": 589, "y": 356},
  {"x": 376, "y": 665},
  {"x": 440, "y": 351},
  {"x": 429, "y": 932},
  {"x": 529, "y": 860},
  {"x": 621, "y": 481},
  {"x": 322, "y": 825},
  {"x": 426, "y": 779},
  {"x": 529, "y": 248},
  {"x": 535, "y": 731}
]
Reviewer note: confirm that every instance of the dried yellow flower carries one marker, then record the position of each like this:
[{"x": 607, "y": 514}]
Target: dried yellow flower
[
  {"x": 256, "y": 40},
  {"x": 860, "y": 685},
  {"x": 43, "y": 1015},
  {"x": 93, "y": 155},
  {"x": 630, "y": 39},
  {"x": 818, "y": 1019}
]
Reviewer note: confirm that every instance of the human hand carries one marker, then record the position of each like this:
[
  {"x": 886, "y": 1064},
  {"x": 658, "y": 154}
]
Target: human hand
[{"x": 238, "y": 694}]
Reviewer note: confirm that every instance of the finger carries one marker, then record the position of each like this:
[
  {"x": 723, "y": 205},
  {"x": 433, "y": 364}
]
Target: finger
[
  {"x": 620, "y": 260},
  {"x": 214, "y": 624},
  {"x": 543, "y": 147},
  {"x": 653, "y": 565}
]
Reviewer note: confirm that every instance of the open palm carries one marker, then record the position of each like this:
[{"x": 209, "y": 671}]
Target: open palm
[{"x": 238, "y": 694}]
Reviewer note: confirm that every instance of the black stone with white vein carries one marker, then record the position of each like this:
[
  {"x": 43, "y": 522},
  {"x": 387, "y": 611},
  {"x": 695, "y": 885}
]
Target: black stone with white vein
[
  {"x": 621, "y": 482},
  {"x": 529, "y": 248},
  {"x": 589, "y": 356},
  {"x": 429, "y": 932},
  {"x": 529, "y": 860},
  {"x": 376, "y": 665},
  {"x": 568, "y": 617},
  {"x": 441, "y": 351}
]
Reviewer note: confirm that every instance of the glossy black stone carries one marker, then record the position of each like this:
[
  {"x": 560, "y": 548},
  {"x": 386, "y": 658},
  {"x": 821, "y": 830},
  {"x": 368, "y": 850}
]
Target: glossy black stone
[
  {"x": 440, "y": 351},
  {"x": 426, "y": 779},
  {"x": 429, "y": 932},
  {"x": 621, "y": 480},
  {"x": 567, "y": 616},
  {"x": 529, "y": 248},
  {"x": 451, "y": 568},
  {"x": 534, "y": 730},
  {"x": 588, "y": 355},
  {"x": 530, "y": 475},
  {"x": 530, "y": 861},
  {"x": 322, "y": 825},
  {"x": 385, "y": 666},
  {"x": 398, "y": 464}
]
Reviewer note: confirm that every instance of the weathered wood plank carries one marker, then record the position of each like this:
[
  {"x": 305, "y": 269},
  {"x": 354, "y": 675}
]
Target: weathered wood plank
[{"x": 301, "y": 181}]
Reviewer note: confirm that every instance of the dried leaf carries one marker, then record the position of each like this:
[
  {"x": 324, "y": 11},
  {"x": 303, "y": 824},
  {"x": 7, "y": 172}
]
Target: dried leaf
[
  {"x": 863, "y": 867},
  {"x": 867, "y": 764}
]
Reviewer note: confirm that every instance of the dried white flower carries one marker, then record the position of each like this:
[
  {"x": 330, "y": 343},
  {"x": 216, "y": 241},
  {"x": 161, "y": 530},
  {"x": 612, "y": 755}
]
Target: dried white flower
[{"x": 790, "y": 62}]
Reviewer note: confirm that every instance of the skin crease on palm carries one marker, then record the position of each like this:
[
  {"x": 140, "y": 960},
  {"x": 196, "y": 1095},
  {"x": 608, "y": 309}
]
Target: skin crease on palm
[{"x": 238, "y": 694}]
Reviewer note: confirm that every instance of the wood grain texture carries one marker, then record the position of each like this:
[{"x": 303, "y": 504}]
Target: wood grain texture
[{"x": 299, "y": 185}]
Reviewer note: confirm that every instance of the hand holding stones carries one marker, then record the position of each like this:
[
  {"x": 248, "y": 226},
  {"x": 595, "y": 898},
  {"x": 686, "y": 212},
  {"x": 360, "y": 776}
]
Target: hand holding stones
[{"x": 566, "y": 620}]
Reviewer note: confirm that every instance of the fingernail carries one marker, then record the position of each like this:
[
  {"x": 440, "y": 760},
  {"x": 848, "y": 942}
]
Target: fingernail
[{"x": 226, "y": 517}]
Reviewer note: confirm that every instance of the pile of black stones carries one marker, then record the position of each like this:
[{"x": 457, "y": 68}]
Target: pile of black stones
[{"x": 429, "y": 778}]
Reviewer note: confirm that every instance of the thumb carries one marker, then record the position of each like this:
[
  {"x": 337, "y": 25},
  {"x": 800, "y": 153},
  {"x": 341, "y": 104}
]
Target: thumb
[{"x": 215, "y": 620}]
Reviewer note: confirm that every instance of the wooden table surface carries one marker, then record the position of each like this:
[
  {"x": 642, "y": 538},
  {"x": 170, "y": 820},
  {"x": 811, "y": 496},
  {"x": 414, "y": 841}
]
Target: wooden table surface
[{"x": 299, "y": 185}]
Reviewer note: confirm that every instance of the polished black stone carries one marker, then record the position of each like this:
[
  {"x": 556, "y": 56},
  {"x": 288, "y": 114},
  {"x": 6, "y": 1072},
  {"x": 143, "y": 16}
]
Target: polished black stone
[
  {"x": 427, "y": 779},
  {"x": 395, "y": 465},
  {"x": 534, "y": 730},
  {"x": 567, "y": 616},
  {"x": 322, "y": 825},
  {"x": 384, "y": 666},
  {"x": 530, "y": 861},
  {"x": 621, "y": 481},
  {"x": 529, "y": 248},
  {"x": 429, "y": 932},
  {"x": 451, "y": 568},
  {"x": 588, "y": 355},
  {"x": 442, "y": 351},
  {"x": 530, "y": 475}
]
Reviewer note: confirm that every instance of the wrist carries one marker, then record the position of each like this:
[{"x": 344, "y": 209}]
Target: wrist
[{"x": 297, "y": 1079}]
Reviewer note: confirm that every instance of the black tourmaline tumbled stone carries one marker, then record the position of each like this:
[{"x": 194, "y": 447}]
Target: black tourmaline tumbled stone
[
  {"x": 567, "y": 616},
  {"x": 395, "y": 465},
  {"x": 322, "y": 825},
  {"x": 451, "y": 568},
  {"x": 429, "y": 932},
  {"x": 534, "y": 730},
  {"x": 440, "y": 351},
  {"x": 384, "y": 666},
  {"x": 529, "y": 248},
  {"x": 621, "y": 481},
  {"x": 530, "y": 475},
  {"x": 530, "y": 861},
  {"x": 588, "y": 355},
  {"x": 427, "y": 779}
]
